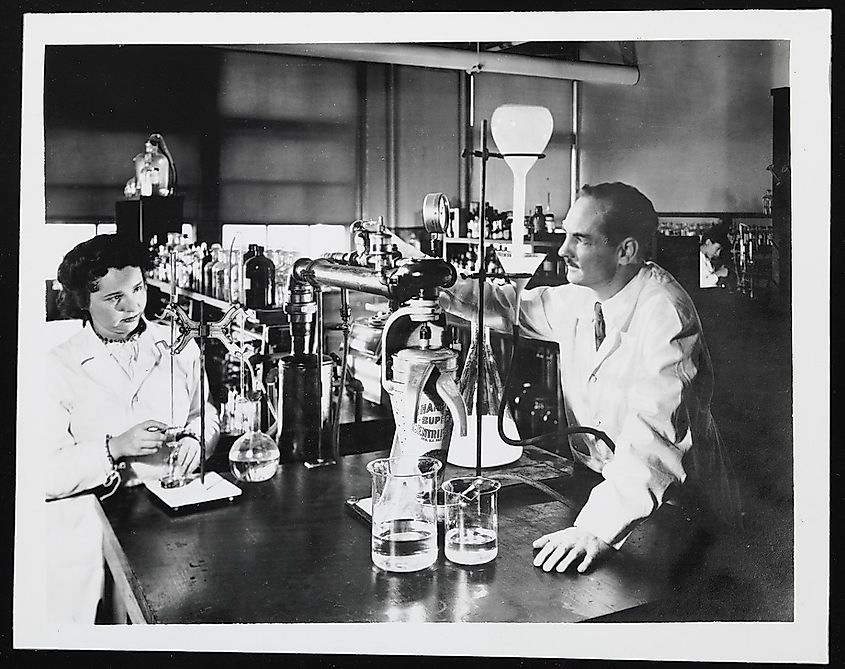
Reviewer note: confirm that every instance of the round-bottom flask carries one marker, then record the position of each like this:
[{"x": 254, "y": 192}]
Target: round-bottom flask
[{"x": 254, "y": 456}]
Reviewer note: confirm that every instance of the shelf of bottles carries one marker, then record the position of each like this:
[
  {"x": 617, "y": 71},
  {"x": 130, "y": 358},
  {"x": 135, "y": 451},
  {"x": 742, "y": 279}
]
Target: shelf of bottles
[
  {"x": 543, "y": 233},
  {"x": 751, "y": 252},
  {"x": 253, "y": 277},
  {"x": 679, "y": 227}
]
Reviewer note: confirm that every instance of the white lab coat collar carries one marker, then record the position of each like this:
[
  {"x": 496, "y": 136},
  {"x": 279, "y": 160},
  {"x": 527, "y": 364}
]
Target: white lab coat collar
[
  {"x": 91, "y": 354},
  {"x": 619, "y": 309},
  {"x": 617, "y": 312}
]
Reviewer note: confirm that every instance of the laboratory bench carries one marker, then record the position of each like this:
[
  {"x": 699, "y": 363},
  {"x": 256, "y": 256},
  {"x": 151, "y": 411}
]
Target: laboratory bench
[{"x": 291, "y": 550}]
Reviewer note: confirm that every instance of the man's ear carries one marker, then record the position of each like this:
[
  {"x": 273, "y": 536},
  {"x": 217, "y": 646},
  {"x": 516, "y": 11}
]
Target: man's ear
[{"x": 628, "y": 250}]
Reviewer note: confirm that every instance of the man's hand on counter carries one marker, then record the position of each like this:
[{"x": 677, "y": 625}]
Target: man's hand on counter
[{"x": 564, "y": 547}]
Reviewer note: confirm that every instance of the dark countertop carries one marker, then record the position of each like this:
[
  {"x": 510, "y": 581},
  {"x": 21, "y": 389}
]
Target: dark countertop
[{"x": 289, "y": 550}]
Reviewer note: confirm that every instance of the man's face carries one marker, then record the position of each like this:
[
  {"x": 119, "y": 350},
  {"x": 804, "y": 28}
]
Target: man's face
[
  {"x": 118, "y": 303},
  {"x": 590, "y": 260},
  {"x": 712, "y": 249}
]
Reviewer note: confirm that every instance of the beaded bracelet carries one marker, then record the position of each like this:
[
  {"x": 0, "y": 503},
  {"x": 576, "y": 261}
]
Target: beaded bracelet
[{"x": 114, "y": 465}]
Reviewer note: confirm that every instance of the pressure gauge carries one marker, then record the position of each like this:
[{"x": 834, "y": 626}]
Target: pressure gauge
[{"x": 436, "y": 213}]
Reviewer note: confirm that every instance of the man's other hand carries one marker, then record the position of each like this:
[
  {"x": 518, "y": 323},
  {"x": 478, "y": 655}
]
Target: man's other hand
[{"x": 564, "y": 547}]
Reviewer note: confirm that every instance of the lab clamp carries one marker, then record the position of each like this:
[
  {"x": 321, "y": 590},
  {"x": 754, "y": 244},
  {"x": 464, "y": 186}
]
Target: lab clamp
[
  {"x": 418, "y": 364},
  {"x": 182, "y": 330}
]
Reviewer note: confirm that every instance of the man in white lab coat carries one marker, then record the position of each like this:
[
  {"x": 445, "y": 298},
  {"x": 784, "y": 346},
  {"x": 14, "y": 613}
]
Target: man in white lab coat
[
  {"x": 708, "y": 251},
  {"x": 633, "y": 363}
]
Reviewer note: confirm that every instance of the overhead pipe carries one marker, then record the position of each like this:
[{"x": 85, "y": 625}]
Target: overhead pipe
[{"x": 457, "y": 59}]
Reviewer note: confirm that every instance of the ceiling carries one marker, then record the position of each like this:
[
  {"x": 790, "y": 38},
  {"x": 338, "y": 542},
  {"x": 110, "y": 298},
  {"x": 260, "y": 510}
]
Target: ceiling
[{"x": 622, "y": 53}]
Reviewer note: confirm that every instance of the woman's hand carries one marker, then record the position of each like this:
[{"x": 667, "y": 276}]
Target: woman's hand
[
  {"x": 566, "y": 546},
  {"x": 187, "y": 454},
  {"x": 142, "y": 439}
]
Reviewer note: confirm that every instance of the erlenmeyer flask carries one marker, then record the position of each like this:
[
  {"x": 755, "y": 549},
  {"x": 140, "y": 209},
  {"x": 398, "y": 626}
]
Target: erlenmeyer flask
[
  {"x": 254, "y": 456},
  {"x": 494, "y": 451}
]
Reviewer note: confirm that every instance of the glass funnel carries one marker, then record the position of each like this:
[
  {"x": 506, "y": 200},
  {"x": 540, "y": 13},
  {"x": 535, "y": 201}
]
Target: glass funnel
[
  {"x": 494, "y": 451},
  {"x": 254, "y": 456}
]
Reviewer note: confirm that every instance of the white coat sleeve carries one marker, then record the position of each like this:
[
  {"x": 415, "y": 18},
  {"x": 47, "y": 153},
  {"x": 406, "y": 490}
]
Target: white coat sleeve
[
  {"x": 500, "y": 304},
  {"x": 70, "y": 467},
  {"x": 707, "y": 278},
  {"x": 194, "y": 377},
  {"x": 655, "y": 435}
]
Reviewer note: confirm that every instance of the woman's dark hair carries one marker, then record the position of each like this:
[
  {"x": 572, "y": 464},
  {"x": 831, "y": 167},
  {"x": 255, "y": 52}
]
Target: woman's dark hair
[
  {"x": 85, "y": 264},
  {"x": 628, "y": 212}
]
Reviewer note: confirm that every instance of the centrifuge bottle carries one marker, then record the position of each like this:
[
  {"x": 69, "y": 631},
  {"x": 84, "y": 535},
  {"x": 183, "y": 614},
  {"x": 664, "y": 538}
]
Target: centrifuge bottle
[{"x": 494, "y": 451}]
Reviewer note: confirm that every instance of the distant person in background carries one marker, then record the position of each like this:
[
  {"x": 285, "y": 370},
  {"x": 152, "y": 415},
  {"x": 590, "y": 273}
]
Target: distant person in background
[
  {"x": 710, "y": 269},
  {"x": 109, "y": 400}
]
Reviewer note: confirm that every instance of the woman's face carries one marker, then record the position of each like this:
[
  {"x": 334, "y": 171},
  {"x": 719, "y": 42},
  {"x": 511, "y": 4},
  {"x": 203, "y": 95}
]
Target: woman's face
[{"x": 118, "y": 303}]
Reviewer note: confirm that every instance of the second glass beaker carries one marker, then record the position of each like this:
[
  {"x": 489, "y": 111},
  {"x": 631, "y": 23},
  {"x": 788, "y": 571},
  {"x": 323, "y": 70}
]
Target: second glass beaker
[
  {"x": 404, "y": 516},
  {"x": 472, "y": 519}
]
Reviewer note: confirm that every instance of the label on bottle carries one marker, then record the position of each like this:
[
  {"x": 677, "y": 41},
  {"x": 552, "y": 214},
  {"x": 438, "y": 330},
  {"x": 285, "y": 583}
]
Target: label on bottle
[
  {"x": 429, "y": 424},
  {"x": 247, "y": 283}
]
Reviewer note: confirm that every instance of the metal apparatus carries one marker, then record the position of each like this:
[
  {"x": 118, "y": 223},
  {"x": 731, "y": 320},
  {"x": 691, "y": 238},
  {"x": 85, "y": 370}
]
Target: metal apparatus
[
  {"x": 201, "y": 330},
  {"x": 417, "y": 363}
]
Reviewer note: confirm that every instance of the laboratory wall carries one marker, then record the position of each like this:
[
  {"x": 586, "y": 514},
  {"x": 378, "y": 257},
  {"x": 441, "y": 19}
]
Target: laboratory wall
[
  {"x": 274, "y": 139},
  {"x": 695, "y": 133},
  {"x": 548, "y": 181}
]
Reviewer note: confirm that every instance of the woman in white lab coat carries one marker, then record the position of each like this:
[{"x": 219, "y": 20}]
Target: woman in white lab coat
[
  {"x": 108, "y": 404},
  {"x": 633, "y": 364}
]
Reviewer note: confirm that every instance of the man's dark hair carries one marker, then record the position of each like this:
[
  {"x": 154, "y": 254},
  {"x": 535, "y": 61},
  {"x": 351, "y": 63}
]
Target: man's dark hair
[
  {"x": 628, "y": 213},
  {"x": 716, "y": 236},
  {"x": 86, "y": 263}
]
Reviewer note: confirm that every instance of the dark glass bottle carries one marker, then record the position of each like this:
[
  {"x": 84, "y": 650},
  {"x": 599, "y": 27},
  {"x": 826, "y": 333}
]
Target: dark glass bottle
[
  {"x": 251, "y": 251},
  {"x": 204, "y": 280},
  {"x": 259, "y": 281}
]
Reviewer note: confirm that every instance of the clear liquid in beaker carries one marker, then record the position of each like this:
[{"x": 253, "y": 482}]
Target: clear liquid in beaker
[
  {"x": 473, "y": 545},
  {"x": 404, "y": 545}
]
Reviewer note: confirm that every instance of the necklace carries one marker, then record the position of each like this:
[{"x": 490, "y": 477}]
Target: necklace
[{"x": 132, "y": 336}]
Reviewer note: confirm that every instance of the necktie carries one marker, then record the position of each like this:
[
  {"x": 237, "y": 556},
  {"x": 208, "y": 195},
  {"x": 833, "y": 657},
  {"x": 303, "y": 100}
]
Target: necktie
[{"x": 598, "y": 324}]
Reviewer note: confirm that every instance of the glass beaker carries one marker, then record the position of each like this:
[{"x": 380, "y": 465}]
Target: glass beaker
[
  {"x": 404, "y": 516},
  {"x": 472, "y": 519},
  {"x": 463, "y": 451},
  {"x": 175, "y": 476},
  {"x": 254, "y": 456}
]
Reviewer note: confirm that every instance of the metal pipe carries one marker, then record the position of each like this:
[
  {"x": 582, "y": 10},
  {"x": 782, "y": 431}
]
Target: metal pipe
[
  {"x": 391, "y": 155},
  {"x": 575, "y": 155},
  {"x": 458, "y": 59},
  {"x": 323, "y": 272},
  {"x": 400, "y": 283},
  {"x": 482, "y": 276}
]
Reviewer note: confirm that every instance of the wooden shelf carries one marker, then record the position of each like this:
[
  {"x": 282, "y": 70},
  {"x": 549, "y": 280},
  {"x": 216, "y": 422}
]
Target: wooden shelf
[
  {"x": 551, "y": 243},
  {"x": 223, "y": 305},
  {"x": 164, "y": 287}
]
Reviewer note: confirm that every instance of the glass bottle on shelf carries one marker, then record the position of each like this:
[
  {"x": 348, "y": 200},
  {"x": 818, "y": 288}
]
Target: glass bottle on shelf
[
  {"x": 283, "y": 262},
  {"x": 259, "y": 281},
  {"x": 538, "y": 222},
  {"x": 196, "y": 267},
  {"x": 494, "y": 451},
  {"x": 205, "y": 269},
  {"x": 219, "y": 287},
  {"x": 254, "y": 456},
  {"x": 232, "y": 271},
  {"x": 208, "y": 265}
]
